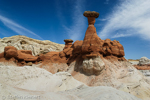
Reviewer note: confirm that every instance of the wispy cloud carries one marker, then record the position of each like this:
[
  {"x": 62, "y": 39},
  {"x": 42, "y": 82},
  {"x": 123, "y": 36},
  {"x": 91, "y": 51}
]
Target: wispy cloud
[
  {"x": 18, "y": 28},
  {"x": 129, "y": 15},
  {"x": 103, "y": 19},
  {"x": 121, "y": 35},
  {"x": 76, "y": 30}
]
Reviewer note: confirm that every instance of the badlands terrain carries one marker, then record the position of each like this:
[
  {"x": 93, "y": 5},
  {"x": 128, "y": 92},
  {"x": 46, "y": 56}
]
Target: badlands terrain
[{"x": 89, "y": 69}]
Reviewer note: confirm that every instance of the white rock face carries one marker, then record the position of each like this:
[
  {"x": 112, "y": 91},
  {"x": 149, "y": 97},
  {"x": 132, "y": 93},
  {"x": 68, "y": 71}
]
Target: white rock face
[
  {"x": 79, "y": 93},
  {"x": 145, "y": 72},
  {"x": 26, "y": 43},
  {"x": 32, "y": 83},
  {"x": 144, "y": 61},
  {"x": 93, "y": 65},
  {"x": 2, "y": 45},
  {"x": 118, "y": 74},
  {"x": 36, "y": 79},
  {"x": 101, "y": 93}
]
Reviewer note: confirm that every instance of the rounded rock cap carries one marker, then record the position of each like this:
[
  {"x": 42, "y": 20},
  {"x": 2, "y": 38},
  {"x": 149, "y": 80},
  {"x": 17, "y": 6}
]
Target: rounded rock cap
[
  {"x": 91, "y": 14},
  {"x": 68, "y": 40}
]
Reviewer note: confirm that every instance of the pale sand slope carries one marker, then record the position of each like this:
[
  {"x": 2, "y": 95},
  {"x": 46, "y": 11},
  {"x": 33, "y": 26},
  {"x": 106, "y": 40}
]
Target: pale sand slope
[
  {"x": 118, "y": 74},
  {"x": 34, "y": 83},
  {"x": 81, "y": 93},
  {"x": 36, "y": 79}
]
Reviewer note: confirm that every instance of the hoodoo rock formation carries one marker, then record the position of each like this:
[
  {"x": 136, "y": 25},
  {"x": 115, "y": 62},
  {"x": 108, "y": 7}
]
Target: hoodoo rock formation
[
  {"x": 68, "y": 43},
  {"x": 92, "y": 47},
  {"x": 91, "y": 42},
  {"x": 93, "y": 61}
]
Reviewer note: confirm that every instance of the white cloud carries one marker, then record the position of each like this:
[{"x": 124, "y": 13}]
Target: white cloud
[
  {"x": 129, "y": 15},
  {"x": 103, "y": 19},
  {"x": 121, "y": 35},
  {"x": 18, "y": 28},
  {"x": 75, "y": 31}
]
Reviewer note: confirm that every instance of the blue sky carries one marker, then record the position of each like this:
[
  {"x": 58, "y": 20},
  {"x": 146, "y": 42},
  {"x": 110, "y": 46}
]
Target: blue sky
[{"x": 127, "y": 21}]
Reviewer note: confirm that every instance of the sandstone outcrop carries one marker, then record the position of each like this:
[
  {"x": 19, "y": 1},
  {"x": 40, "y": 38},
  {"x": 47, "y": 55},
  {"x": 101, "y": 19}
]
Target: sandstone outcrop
[
  {"x": 77, "y": 45},
  {"x": 68, "y": 43},
  {"x": 21, "y": 57},
  {"x": 142, "y": 67},
  {"x": 51, "y": 57},
  {"x": 90, "y": 48},
  {"x": 91, "y": 41},
  {"x": 26, "y": 56},
  {"x": 94, "y": 46},
  {"x": 25, "y": 43}
]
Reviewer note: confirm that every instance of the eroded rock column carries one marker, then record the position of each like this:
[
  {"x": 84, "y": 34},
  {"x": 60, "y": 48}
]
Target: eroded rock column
[
  {"x": 92, "y": 63},
  {"x": 68, "y": 43},
  {"x": 91, "y": 40}
]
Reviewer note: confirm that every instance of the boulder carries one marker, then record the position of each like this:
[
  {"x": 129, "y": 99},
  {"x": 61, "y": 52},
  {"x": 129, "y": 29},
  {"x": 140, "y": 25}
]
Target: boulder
[
  {"x": 25, "y": 56},
  {"x": 10, "y": 52},
  {"x": 93, "y": 65},
  {"x": 29, "y": 64},
  {"x": 144, "y": 61}
]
